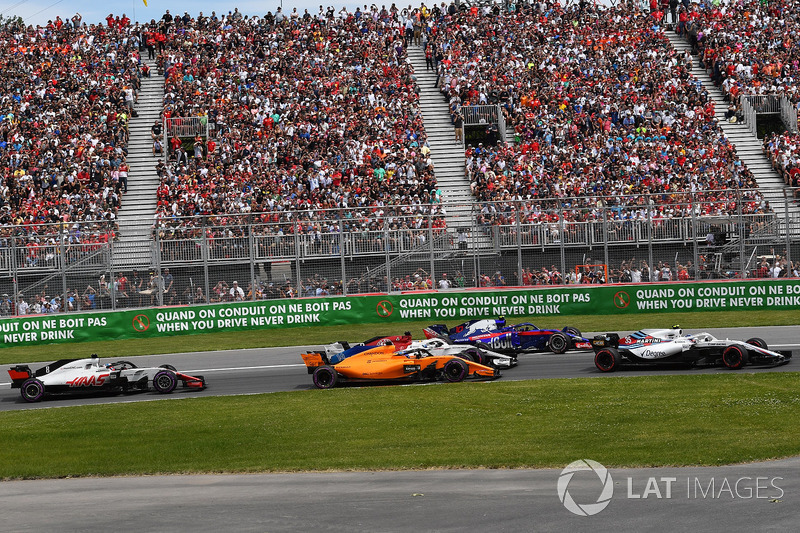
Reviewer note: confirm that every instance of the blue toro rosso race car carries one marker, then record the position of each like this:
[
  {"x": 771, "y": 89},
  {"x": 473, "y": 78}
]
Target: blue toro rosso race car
[{"x": 495, "y": 335}]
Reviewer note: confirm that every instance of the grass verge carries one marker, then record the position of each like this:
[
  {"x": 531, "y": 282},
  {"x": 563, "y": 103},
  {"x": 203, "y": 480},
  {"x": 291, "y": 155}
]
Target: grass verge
[
  {"x": 621, "y": 421},
  {"x": 326, "y": 334}
]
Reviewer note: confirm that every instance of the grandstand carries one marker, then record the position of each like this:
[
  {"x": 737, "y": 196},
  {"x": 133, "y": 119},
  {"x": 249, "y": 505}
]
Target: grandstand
[{"x": 326, "y": 159}]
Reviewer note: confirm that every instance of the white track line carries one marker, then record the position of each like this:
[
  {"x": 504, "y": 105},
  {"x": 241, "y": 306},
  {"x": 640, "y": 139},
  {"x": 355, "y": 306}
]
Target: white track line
[{"x": 289, "y": 365}]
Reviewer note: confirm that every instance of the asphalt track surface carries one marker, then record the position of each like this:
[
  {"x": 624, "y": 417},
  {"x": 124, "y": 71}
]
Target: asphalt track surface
[
  {"x": 264, "y": 370},
  {"x": 752, "y": 497}
]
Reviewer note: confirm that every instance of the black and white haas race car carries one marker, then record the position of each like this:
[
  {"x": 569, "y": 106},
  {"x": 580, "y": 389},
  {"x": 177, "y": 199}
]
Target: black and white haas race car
[
  {"x": 654, "y": 347},
  {"x": 76, "y": 376}
]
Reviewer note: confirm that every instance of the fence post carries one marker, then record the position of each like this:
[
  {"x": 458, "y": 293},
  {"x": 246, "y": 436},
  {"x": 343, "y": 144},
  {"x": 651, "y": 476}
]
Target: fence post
[
  {"x": 14, "y": 265},
  {"x": 430, "y": 244},
  {"x": 296, "y": 256},
  {"x": 649, "y": 238},
  {"x": 63, "y": 246},
  {"x": 341, "y": 253},
  {"x": 788, "y": 240},
  {"x": 387, "y": 255},
  {"x": 251, "y": 241},
  {"x": 605, "y": 233},
  {"x": 204, "y": 255},
  {"x": 742, "y": 236},
  {"x": 696, "y": 252},
  {"x": 476, "y": 260},
  {"x": 562, "y": 243},
  {"x": 159, "y": 277},
  {"x": 519, "y": 240},
  {"x": 112, "y": 289}
]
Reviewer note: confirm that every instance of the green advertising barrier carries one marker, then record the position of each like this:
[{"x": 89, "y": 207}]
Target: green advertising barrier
[{"x": 449, "y": 307}]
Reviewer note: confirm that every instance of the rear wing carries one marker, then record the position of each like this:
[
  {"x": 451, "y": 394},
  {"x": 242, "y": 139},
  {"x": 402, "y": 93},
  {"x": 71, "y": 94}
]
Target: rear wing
[
  {"x": 314, "y": 360},
  {"x": 436, "y": 330},
  {"x": 605, "y": 341},
  {"x": 18, "y": 375}
]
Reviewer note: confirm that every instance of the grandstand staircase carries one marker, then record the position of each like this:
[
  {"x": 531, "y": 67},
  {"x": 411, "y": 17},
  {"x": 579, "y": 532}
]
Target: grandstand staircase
[
  {"x": 447, "y": 154},
  {"x": 748, "y": 147},
  {"x": 133, "y": 249}
]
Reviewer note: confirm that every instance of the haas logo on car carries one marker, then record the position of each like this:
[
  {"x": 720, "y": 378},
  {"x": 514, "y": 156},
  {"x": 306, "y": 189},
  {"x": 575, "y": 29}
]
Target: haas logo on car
[{"x": 88, "y": 381}]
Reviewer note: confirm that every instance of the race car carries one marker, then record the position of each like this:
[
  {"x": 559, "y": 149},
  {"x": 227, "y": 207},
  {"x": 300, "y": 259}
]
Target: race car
[
  {"x": 652, "y": 347},
  {"x": 495, "y": 335},
  {"x": 67, "y": 376},
  {"x": 341, "y": 350},
  {"x": 384, "y": 363}
]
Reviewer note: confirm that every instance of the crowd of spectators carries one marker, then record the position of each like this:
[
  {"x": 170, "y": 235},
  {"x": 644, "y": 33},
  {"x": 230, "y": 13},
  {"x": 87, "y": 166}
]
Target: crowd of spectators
[
  {"x": 750, "y": 47},
  {"x": 604, "y": 112},
  {"x": 308, "y": 113},
  {"x": 67, "y": 91},
  {"x": 783, "y": 150}
]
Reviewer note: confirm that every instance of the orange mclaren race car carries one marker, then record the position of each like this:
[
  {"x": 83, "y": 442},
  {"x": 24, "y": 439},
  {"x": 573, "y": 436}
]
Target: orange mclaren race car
[{"x": 386, "y": 363}]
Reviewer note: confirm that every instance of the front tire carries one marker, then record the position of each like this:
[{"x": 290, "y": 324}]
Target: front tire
[
  {"x": 168, "y": 367},
  {"x": 607, "y": 360},
  {"x": 573, "y": 331},
  {"x": 32, "y": 390},
  {"x": 325, "y": 377},
  {"x": 165, "y": 382},
  {"x": 455, "y": 370},
  {"x": 558, "y": 343},
  {"x": 734, "y": 357},
  {"x": 757, "y": 341}
]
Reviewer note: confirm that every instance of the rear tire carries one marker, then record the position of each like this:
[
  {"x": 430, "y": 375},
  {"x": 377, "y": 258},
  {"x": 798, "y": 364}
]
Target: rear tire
[
  {"x": 607, "y": 360},
  {"x": 757, "y": 341},
  {"x": 455, "y": 370},
  {"x": 32, "y": 390},
  {"x": 558, "y": 343},
  {"x": 473, "y": 355},
  {"x": 734, "y": 357},
  {"x": 165, "y": 382},
  {"x": 325, "y": 377}
]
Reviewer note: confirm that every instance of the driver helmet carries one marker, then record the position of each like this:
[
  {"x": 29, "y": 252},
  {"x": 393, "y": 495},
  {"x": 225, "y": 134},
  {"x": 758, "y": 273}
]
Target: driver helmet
[
  {"x": 677, "y": 327},
  {"x": 501, "y": 322}
]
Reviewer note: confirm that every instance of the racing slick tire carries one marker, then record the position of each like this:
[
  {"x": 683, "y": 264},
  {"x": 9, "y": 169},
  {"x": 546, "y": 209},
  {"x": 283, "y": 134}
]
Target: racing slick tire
[
  {"x": 573, "y": 331},
  {"x": 607, "y": 359},
  {"x": 325, "y": 377},
  {"x": 168, "y": 367},
  {"x": 165, "y": 381},
  {"x": 757, "y": 341},
  {"x": 558, "y": 343},
  {"x": 455, "y": 370},
  {"x": 32, "y": 390},
  {"x": 473, "y": 355},
  {"x": 735, "y": 357}
]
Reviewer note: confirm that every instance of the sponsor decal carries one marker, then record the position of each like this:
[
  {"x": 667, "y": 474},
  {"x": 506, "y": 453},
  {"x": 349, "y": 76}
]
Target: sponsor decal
[
  {"x": 653, "y": 354},
  {"x": 88, "y": 381}
]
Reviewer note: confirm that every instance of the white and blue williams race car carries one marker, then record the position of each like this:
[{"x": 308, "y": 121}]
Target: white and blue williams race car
[
  {"x": 79, "y": 376},
  {"x": 664, "y": 347}
]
